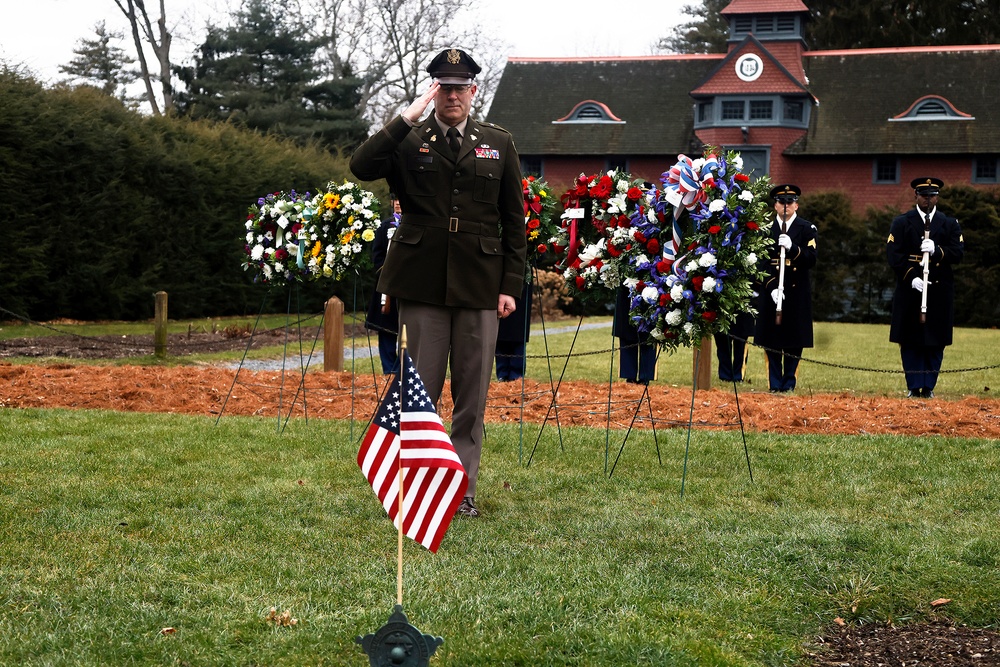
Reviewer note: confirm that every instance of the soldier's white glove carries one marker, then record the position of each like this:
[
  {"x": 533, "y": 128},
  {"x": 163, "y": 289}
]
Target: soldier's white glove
[
  {"x": 918, "y": 284},
  {"x": 927, "y": 246},
  {"x": 774, "y": 295},
  {"x": 785, "y": 241}
]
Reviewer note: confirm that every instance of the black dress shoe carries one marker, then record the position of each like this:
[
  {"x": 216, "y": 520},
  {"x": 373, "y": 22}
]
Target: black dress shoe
[
  {"x": 468, "y": 507},
  {"x": 913, "y": 393}
]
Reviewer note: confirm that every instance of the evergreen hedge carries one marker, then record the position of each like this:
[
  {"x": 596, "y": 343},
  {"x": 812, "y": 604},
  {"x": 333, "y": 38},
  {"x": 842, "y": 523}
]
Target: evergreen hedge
[{"x": 106, "y": 206}]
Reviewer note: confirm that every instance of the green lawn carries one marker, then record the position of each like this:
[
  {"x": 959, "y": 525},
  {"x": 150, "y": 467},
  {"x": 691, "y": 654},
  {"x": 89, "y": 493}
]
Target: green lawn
[{"x": 114, "y": 526}]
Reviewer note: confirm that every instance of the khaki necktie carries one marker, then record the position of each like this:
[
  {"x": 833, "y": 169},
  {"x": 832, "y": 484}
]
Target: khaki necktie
[{"x": 454, "y": 140}]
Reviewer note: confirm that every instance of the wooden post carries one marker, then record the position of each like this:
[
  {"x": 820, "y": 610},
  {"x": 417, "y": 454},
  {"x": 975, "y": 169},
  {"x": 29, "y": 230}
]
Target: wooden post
[
  {"x": 160, "y": 325},
  {"x": 702, "y": 365},
  {"x": 333, "y": 335}
]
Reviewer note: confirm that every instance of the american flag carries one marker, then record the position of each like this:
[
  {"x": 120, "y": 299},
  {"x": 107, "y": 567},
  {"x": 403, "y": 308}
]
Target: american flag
[{"x": 406, "y": 427}]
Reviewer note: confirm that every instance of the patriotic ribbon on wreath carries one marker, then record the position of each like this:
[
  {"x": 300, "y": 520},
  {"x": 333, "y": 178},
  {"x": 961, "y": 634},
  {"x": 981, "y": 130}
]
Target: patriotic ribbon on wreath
[{"x": 684, "y": 187}]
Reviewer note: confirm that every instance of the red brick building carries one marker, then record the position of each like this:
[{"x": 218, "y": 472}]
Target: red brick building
[{"x": 863, "y": 121}]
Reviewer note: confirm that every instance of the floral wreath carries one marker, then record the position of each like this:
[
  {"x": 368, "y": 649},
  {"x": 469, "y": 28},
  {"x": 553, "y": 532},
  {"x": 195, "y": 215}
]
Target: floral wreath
[
  {"x": 705, "y": 276},
  {"x": 540, "y": 222},
  {"x": 595, "y": 264},
  {"x": 300, "y": 238}
]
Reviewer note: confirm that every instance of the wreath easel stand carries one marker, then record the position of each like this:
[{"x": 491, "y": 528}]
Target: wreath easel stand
[{"x": 303, "y": 361}]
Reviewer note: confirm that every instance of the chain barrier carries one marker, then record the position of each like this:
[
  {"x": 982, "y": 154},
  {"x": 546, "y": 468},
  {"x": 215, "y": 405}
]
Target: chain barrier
[{"x": 374, "y": 327}]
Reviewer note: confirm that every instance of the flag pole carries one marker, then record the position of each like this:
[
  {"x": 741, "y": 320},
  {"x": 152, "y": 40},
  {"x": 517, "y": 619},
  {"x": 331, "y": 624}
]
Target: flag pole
[{"x": 399, "y": 512}]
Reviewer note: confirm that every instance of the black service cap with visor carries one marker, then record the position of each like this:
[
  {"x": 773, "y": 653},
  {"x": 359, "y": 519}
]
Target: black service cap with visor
[
  {"x": 926, "y": 186},
  {"x": 786, "y": 193},
  {"x": 453, "y": 67}
]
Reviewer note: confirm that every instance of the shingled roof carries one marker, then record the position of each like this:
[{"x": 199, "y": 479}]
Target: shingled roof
[
  {"x": 651, "y": 96},
  {"x": 860, "y": 90},
  {"x": 764, "y": 7}
]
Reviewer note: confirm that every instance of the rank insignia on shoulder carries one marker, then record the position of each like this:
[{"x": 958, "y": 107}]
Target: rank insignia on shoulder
[{"x": 488, "y": 153}]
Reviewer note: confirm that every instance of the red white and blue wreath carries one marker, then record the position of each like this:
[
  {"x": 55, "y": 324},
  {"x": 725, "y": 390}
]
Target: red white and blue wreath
[{"x": 710, "y": 261}]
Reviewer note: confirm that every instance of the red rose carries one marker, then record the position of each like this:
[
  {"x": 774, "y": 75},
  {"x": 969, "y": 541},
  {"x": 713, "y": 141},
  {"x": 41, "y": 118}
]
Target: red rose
[
  {"x": 709, "y": 316},
  {"x": 653, "y": 246},
  {"x": 753, "y": 226},
  {"x": 639, "y": 286},
  {"x": 640, "y": 237},
  {"x": 714, "y": 229},
  {"x": 541, "y": 248},
  {"x": 280, "y": 254},
  {"x": 531, "y": 178},
  {"x": 697, "y": 282},
  {"x": 580, "y": 282},
  {"x": 533, "y": 223},
  {"x": 664, "y": 299},
  {"x": 634, "y": 193},
  {"x": 613, "y": 251},
  {"x": 742, "y": 178},
  {"x": 663, "y": 266}
]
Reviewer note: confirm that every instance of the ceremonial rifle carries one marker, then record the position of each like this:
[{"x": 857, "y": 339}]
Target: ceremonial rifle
[{"x": 926, "y": 263}]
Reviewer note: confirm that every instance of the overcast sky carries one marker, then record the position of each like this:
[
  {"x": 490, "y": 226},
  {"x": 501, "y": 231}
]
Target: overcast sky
[{"x": 41, "y": 34}]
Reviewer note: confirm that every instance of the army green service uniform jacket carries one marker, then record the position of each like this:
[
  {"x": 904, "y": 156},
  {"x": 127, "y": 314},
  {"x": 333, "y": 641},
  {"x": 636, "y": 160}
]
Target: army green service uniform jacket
[{"x": 461, "y": 239}]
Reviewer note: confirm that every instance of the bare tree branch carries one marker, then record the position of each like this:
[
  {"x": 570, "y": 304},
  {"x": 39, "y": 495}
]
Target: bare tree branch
[{"x": 159, "y": 41}]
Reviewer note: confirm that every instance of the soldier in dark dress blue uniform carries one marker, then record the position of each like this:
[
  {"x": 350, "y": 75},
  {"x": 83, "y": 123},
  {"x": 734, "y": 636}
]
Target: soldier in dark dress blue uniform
[
  {"x": 383, "y": 316},
  {"x": 921, "y": 344},
  {"x": 636, "y": 355},
  {"x": 512, "y": 338},
  {"x": 784, "y": 342},
  {"x": 731, "y": 348}
]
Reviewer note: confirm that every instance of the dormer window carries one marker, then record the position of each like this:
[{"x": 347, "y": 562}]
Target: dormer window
[
  {"x": 932, "y": 107},
  {"x": 590, "y": 111}
]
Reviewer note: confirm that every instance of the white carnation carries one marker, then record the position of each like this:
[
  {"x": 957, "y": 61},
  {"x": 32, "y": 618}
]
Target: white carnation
[
  {"x": 750, "y": 259},
  {"x": 691, "y": 266},
  {"x": 249, "y": 237},
  {"x": 746, "y": 196},
  {"x": 257, "y": 252},
  {"x": 708, "y": 284},
  {"x": 717, "y": 206},
  {"x": 650, "y": 294},
  {"x": 738, "y": 163},
  {"x": 688, "y": 328},
  {"x": 674, "y": 317},
  {"x": 677, "y": 292},
  {"x": 707, "y": 260}
]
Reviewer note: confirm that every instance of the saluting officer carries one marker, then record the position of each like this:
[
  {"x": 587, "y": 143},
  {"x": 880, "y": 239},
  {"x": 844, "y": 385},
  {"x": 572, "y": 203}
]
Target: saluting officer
[
  {"x": 923, "y": 229},
  {"x": 785, "y": 341},
  {"x": 456, "y": 261}
]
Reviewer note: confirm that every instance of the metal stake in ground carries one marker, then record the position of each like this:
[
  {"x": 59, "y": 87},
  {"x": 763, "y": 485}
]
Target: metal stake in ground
[{"x": 399, "y": 643}]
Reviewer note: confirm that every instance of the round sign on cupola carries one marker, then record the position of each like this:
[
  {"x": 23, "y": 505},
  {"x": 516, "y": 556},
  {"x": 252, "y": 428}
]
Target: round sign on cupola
[{"x": 749, "y": 67}]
